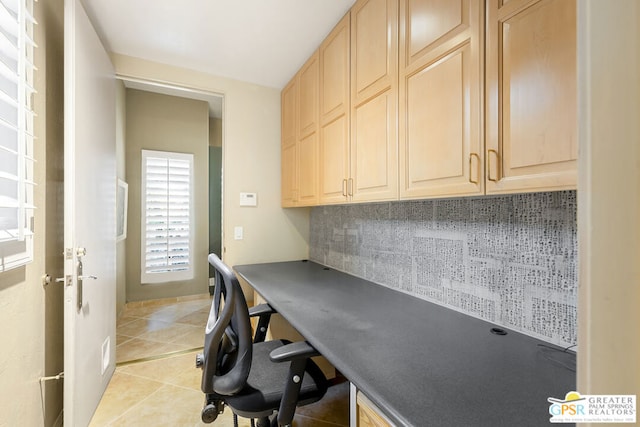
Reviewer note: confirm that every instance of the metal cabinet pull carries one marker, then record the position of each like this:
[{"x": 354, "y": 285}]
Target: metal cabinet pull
[
  {"x": 350, "y": 192},
  {"x": 344, "y": 187},
  {"x": 489, "y": 165},
  {"x": 471, "y": 156}
]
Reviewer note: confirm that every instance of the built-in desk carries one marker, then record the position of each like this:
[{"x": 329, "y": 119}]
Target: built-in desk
[{"x": 421, "y": 363}]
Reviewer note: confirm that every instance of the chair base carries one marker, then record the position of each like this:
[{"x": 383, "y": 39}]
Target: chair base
[
  {"x": 266, "y": 422},
  {"x": 212, "y": 408}
]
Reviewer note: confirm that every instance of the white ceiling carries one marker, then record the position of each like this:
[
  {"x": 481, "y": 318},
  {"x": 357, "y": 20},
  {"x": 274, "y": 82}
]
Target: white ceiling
[{"x": 259, "y": 41}]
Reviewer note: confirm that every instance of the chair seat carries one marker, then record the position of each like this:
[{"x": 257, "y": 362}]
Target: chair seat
[{"x": 266, "y": 383}]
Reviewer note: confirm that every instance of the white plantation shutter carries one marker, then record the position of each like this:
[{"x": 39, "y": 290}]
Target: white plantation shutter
[
  {"x": 167, "y": 207},
  {"x": 16, "y": 132}
]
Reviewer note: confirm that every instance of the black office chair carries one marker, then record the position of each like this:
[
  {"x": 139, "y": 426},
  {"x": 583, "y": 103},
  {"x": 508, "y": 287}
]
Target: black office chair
[{"x": 256, "y": 379}]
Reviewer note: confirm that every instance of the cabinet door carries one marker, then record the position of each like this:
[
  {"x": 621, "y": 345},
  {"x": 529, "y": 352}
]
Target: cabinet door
[
  {"x": 367, "y": 414},
  {"x": 374, "y": 100},
  {"x": 440, "y": 132},
  {"x": 308, "y": 102},
  {"x": 531, "y": 96},
  {"x": 308, "y": 84},
  {"x": 289, "y": 174},
  {"x": 334, "y": 113},
  {"x": 334, "y": 160},
  {"x": 308, "y": 170}
]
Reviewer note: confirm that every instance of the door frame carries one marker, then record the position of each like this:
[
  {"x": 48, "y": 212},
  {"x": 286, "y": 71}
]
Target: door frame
[{"x": 179, "y": 90}]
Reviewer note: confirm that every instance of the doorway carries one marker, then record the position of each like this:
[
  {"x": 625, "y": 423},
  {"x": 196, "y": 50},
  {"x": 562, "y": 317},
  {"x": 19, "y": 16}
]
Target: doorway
[{"x": 174, "y": 105}]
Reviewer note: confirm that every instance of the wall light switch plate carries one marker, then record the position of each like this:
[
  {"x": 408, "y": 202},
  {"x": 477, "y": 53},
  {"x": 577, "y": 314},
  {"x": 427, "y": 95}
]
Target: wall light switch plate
[
  {"x": 248, "y": 199},
  {"x": 238, "y": 233}
]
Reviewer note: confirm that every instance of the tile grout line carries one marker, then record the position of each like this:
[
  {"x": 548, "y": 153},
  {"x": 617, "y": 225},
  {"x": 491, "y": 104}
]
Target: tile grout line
[
  {"x": 189, "y": 326},
  {"x": 158, "y": 356},
  {"x": 162, "y": 385},
  {"x": 175, "y": 342},
  {"x": 321, "y": 420}
]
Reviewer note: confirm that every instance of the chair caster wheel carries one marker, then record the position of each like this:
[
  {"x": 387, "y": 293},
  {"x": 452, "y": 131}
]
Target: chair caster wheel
[
  {"x": 264, "y": 422},
  {"x": 210, "y": 413}
]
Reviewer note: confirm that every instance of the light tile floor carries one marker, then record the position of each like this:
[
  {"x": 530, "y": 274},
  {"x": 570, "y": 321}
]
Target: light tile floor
[{"x": 163, "y": 389}]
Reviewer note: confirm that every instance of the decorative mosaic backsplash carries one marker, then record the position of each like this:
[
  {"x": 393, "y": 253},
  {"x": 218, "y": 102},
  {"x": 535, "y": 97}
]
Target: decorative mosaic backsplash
[{"x": 510, "y": 260}]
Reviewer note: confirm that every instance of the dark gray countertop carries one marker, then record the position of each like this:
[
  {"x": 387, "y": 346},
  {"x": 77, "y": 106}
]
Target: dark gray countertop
[{"x": 421, "y": 363}]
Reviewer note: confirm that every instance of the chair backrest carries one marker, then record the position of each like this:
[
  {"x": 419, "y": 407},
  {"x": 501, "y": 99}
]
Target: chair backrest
[{"x": 228, "y": 344}]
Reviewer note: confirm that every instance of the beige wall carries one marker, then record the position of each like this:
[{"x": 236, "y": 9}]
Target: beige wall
[
  {"x": 251, "y": 135},
  {"x": 30, "y": 314},
  {"x": 609, "y": 197},
  {"x": 121, "y": 252},
  {"x": 166, "y": 123}
]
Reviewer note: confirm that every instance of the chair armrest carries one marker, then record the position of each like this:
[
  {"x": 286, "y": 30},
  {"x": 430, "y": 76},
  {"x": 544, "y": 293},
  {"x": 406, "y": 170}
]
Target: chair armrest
[
  {"x": 294, "y": 351},
  {"x": 298, "y": 353},
  {"x": 260, "y": 310},
  {"x": 264, "y": 312}
]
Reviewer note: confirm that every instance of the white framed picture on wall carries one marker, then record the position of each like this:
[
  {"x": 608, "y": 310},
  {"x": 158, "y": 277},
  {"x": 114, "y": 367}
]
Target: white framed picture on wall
[{"x": 122, "y": 196}]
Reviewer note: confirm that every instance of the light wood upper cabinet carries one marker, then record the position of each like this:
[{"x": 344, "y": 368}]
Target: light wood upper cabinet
[
  {"x": 289, "y": 99},
  {"x": 289, "y": 184},
  {"x": 531, "y": 140},
  {"x": 308, "y": 170},
  {"x": 374, "y": 51},
  {"x": 300, "y": 126},
  {"x": 289, "y": 162},
  {"x": 334, "y": 71},
  {"x": 427, "y": 24},
  {"x": 440, "y": 120},
  {"x": 308, "y": 127},
  {"x": 334, "y": 113},
  {"x": 434, "y": 98},
  {"x": 374, "y": 101},
  {"x": 308, "y": 86}
]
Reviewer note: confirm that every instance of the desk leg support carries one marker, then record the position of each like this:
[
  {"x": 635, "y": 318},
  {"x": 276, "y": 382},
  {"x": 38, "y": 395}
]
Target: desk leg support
[{"x": 353, "y": 408}]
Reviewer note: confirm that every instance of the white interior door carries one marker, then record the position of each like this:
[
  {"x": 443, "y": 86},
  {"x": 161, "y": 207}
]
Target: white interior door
[{"x": 89, "y": 217}]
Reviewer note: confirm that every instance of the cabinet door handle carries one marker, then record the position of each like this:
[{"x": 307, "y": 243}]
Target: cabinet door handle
[
  {"x": 497, "y": 178},
  {"x": 350, "y": 192},
  {"x": 344, "y": 187},
  {"x": 471, "y": 156}
]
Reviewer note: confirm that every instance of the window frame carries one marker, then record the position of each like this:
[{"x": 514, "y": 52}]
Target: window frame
[
  {"x": 147, "y": 277},
  {"x": 16, "y": 244}
]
